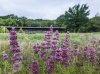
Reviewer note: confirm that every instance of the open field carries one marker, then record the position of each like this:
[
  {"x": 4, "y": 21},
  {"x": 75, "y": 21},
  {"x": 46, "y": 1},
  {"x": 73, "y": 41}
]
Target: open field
[
  {"x": 40, "y": 37},
  {"x": 27, "y": 41}
]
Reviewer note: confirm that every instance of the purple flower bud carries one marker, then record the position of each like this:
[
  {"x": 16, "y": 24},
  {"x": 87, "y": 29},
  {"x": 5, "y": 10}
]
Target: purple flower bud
[
  {"x": 51, "y": 65},
  {"x": 99, "y": 48},
  {"x": 54, "y": 47},
  {"x": 58, "y": 55},
  {"x": 13, "y": 37},
  {"x": 12, "y": 32},
  {"x": 93, "y": 41},
  {"x": 12, "y": 50},
  {"x": 43, "y": 55},
  {"x": 17, "y": 49},
  {"x": 65, "y": 62},
  {"x": 92, "y": 56},
  {"x": 35, "y": 67},
  {"x": 76, "y": 52},
  {"x": 36, "y": 51},
  {"x": 54, "y": 42},
  {"x": 76, "y": 46},
  {"x": 16, "y": 66},
  {"x": 5, "y": 56}
]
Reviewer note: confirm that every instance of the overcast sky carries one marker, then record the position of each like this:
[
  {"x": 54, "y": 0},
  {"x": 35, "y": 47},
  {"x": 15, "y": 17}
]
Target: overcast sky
[{"x": 44, "y": 9}]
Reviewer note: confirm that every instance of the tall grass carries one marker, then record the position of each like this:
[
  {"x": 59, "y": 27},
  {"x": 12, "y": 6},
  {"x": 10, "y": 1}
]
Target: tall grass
[{"x": 28, "y": 40}]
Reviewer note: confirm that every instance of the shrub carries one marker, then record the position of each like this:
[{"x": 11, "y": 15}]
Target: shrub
[
  {"x": 20, "y": 30},
  {"x": 3, "y": 30}
]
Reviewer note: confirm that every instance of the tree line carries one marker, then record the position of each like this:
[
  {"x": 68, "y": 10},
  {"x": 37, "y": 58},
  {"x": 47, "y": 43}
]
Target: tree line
[
  {"x": 75, "y": 20},
  {"x": 14, "y": 20}
]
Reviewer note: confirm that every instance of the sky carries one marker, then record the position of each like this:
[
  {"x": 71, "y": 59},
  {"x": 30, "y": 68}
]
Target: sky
[{"x": 44, "y": 9}]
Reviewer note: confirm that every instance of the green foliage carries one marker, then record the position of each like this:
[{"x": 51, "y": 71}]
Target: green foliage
[
  {"x": 13, "y": 20},
  {"x": 60, "y": 21},
  {"x": 1, "y": 22},
  {"x": 10, "y": 22},
  {"x": 76, "y": 18},
  {"x": 20, "y": 30},
  {"x": 95, "y": 22},
  {"x": 3, "y": 30}
]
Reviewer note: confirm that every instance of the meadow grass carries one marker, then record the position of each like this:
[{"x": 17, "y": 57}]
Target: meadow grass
[{"x": 27, "y": 41}]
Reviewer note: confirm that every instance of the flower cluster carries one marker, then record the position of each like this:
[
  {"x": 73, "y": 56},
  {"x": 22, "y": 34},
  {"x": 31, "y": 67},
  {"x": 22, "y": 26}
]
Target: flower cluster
[
  {"x": 50, "y": 65},
  {"x": 15, "y": 50},
  {"x": 52, "y": 53},
  {"x": 34, "y": 67},
  {"x": 66, "y": 42},
  {"x": 58, "y": 55},
  {"x": 63, "y": 55},
  {"x": 51, "y": 29},
  {"x": 92, "y": 55},
  {"x": 5, "y": 56},
  {"x": 54, "y": 43},
  {"x": 76, "y": 50},
  {"x": 66, "y": 57}
]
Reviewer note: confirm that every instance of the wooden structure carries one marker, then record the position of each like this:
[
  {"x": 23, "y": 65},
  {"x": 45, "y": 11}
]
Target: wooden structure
[{"x": 37, "y": 29}]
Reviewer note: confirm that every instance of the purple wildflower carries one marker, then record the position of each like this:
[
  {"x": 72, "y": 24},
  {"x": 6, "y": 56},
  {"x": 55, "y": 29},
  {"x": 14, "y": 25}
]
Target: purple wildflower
[
  {"x": 58, "y": 55},
  {"x": 51, "y": 29},
  {"x": 15, "y": 50},
  {"x": 36, "y": 48},
  {"x": 86, "y": 52},
  {"x": 5, "y": 56},
  {"x": 66, "y": 43},
  {"x": 16, "y": 66},
  {"x": 92, "y": 56},
  {"x": 66, "y": 57},
  {"x": 93, "y": 41},
  {"x": 35, "y": 67},
  {"x": 76, "y": 50},
  {"x": 51, "y": 65}
]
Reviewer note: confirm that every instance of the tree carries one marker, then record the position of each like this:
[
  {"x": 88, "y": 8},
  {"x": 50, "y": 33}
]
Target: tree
[
  {"x": 1, "y": 22},
  {"x": 95, "y": 22},
  {"x": 29, "y": 22},
  {"x": 60, "y": 20},
  {"x": 44, "y": 24},
  {"x": 24, "y": 20},
  {"x": 76, "y": 18},
  {"x": 50, "y": 22},
  {"x": 10, "y": 22}
]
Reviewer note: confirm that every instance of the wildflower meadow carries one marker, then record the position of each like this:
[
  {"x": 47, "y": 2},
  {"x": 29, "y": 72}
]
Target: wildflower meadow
[{"x": 49, "y": 53}]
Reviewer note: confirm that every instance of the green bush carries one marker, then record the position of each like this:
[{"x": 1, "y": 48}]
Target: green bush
[
  {"x": 3, "y": 30},
  {"x": 20, "y": 30},
  {"x": 0, "y": 29}
]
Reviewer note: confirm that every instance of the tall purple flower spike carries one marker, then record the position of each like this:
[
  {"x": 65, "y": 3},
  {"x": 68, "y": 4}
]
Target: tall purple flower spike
[{"x": 15, "y": 50}]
